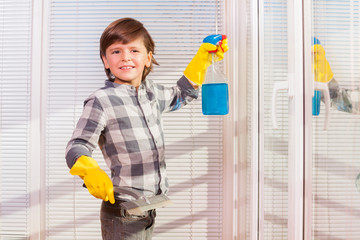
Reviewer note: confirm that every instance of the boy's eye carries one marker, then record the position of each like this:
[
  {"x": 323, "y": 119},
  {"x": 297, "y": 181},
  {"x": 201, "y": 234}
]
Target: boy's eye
[
  {"x": 135, "y": 50},
  {"x": 116, "y": 52}
]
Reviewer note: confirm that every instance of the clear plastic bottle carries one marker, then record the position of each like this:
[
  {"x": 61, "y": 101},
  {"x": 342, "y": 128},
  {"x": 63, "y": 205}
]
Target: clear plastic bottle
[{"x": 215, "y": 93}]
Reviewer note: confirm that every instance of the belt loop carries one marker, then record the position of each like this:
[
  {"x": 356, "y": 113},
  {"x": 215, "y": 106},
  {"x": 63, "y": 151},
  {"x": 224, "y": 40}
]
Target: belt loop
[
  {"x": 122, "y": 212},
  {"x": 151, "y": 214}
]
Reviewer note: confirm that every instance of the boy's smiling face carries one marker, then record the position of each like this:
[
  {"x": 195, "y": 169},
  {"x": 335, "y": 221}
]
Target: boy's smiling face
[{"x": 127, "y": 61}]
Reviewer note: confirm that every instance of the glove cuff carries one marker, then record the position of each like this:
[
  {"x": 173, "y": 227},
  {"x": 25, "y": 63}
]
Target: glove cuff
[{"x": 82, "y": 164}]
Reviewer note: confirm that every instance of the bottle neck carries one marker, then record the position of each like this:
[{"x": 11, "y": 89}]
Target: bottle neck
[
  {"x": 213, "y": 61},
  {"x": 213, "y": 74}
]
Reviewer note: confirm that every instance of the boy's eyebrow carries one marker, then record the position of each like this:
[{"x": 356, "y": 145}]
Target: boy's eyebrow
[
  {"x": 133, "y": 46},
  {"x": 114, "y": 47},
  {"x": 122, "y": 46}
]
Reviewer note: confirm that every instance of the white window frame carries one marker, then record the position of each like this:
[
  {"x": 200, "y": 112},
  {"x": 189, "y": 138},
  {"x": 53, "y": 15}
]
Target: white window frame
[
  {"x": 37, "y": 171},
  {"x": 235, "y": 126}
]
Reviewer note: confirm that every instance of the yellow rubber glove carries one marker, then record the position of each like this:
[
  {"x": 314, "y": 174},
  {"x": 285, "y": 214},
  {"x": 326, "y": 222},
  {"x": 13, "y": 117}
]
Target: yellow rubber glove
[
  {"x": 196, "y": 69},
  {"x": 96, "y": 180},
  {"x": 320, "y": 66}
]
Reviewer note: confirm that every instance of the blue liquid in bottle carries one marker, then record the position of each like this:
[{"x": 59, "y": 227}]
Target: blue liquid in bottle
[
  {"x": 316, "y": 103},
  {"x": 215, "y": 93},
  {"x": 215, "y": 99}
]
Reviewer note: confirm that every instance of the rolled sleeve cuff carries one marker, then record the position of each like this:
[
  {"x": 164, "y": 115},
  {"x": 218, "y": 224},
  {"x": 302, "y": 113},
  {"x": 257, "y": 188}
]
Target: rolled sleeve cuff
[
  {"x": 186, "y": 86},
  {"x": 74, "y": 153}
]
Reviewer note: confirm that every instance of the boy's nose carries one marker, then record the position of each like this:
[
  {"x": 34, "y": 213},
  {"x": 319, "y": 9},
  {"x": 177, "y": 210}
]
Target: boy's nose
[{"x": 126, "y": 57}]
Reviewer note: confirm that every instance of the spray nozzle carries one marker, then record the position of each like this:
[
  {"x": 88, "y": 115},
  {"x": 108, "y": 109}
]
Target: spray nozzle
[{"x": 215, "y": 40}]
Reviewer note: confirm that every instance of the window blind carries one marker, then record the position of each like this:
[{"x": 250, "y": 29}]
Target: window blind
[
  {"x": 336, "y": 205},
  {"x": 15, "y": 74},
  {"x": 193, "y": 141},
  {"x": 275, "y": 168}
]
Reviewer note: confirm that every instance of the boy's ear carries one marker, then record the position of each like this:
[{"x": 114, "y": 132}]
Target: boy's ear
[
  {"x": 148, "y": 60},
  {"x": 105, "y": 62}
]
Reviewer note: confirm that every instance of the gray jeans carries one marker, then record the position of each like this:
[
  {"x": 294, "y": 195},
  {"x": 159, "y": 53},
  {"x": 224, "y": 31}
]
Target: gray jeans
[{"x": 117, "y": 224}]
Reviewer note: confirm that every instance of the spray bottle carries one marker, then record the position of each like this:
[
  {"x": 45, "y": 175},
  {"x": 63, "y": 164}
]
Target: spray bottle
[{"x": 215, "y": 93}]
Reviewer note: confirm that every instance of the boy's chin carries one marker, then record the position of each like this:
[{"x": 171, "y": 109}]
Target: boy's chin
[{"x": 133, "y": 82}]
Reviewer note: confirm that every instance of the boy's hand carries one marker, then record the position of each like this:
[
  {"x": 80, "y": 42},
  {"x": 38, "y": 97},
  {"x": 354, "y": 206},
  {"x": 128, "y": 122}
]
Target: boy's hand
[
  {"x": 96, "y": 180},
  {"x": 221, "y": 43},
  {"x": 196, "y": 69}
]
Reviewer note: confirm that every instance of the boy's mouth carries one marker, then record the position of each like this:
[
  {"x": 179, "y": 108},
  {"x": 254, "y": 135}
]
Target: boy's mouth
[{"x": 126, "y": 67}]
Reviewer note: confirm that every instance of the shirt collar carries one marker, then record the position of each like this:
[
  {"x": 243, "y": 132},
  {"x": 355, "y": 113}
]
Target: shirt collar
[{"x": 109, "y": 83}]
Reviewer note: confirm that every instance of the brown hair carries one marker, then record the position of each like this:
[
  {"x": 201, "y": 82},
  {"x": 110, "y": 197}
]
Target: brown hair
[{"x": 125, "y": 30}]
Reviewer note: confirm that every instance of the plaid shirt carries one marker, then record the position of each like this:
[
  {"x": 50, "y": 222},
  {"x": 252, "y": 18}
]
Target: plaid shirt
[{"x": 127, "y": 126}]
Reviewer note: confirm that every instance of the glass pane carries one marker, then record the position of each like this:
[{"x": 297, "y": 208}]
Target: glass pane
[
  {"x": 194, "y": 146},
  {"x": 273, "y": 41},
  {"x": 336, "y": 51}
]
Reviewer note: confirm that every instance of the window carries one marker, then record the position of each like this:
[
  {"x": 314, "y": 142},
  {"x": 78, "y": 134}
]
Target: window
[
  {"x": 15, "y": 75},
  {"x": 193, "y": 141}
]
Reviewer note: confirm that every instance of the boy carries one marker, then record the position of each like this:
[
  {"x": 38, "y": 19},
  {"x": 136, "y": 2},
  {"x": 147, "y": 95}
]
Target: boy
[{"x": 124, "y": 119}]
